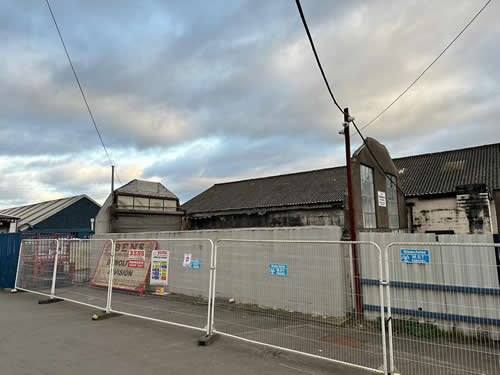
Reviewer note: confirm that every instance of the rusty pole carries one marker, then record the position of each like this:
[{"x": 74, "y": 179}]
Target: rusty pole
[{"x": 352, "y": 226}]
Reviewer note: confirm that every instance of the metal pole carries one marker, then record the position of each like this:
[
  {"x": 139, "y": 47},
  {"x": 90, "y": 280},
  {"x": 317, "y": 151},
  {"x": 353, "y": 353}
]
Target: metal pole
[
  {"x": 54, "y": 273},
  {"x": 112, "y": 178},
  {"x": 19, "y": 263},
  {"x": 352, "y": 226},
  {"x": 110, "y": 276}
]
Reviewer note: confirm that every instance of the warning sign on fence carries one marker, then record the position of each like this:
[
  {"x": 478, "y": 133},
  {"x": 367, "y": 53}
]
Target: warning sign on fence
[
  {"x": 130, "y": 270},
  {"x": 159, "y": 268}
]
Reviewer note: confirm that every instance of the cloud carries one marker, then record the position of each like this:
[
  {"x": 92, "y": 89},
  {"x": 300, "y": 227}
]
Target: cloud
[{"x": 193, "y": 93}]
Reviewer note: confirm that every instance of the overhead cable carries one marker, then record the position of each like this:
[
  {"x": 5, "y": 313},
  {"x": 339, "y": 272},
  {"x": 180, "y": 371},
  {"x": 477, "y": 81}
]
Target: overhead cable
[
  {"x": 427, "y": 68},
  {"x": 80, "y": 87},
  {"x": 316, "y": 55}
]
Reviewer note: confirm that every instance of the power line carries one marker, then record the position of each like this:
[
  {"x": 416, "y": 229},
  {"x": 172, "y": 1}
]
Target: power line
[
  {"x": 80, "y": 86},
  {"x": 428, "y": 67},
  {"x": 380, "y": 168},
  {"x": 316, "y": 55}
]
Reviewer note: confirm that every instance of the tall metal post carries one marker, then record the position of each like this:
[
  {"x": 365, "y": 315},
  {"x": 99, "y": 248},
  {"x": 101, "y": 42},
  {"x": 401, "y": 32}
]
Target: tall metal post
[
  {"x": 112, "y": 178},
  {"x": 352, "y": 225}
]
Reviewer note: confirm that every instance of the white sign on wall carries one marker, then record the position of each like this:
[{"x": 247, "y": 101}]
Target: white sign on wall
[
  {"x": 381, "y": 199},
  {"x": 159, "y": 268}
]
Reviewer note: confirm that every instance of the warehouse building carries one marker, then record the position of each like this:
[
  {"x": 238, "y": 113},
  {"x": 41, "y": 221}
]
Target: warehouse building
[
  {"x": 456, "y": 191},
  {"x": 59, "y": 215},
  {"x": 306, "y": 198},
  {"x": 140, "y": 206}
]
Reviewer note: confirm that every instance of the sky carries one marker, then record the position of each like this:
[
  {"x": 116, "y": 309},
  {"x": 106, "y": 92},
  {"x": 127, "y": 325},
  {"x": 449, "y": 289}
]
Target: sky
[{"x": 193, "y": 93}]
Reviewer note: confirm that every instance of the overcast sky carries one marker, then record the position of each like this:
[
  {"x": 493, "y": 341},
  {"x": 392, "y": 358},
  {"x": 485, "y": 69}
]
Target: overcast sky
[{"x": 192, "y": 93}]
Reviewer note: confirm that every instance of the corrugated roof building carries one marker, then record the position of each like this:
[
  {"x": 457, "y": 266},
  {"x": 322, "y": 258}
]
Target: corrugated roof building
[
  {"x": 140, "y": 206},
  {"x": 431, "y": 184},
  {"x": 72, "y": 213}
]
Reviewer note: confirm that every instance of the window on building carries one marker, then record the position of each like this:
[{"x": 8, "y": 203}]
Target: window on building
[
  {"x": 156, "y": 204},
  {"x": 368, "y": 197},
  {"x": 392, "y": 201},
  {"x": 141, "y": 203},
  {"x": 125, "y": 202},
  {"x": 170, "y": 205}
]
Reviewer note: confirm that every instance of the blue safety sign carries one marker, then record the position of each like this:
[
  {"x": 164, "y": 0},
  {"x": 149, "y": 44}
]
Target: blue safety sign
[
  {"x": 415, "y": 256},
  {"x": 195, "y": 263},
  {"x": 278, "y": 269}
]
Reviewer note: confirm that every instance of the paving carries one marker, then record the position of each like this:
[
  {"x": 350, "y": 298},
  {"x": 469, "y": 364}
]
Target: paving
[
  {"x": 359, "y": 345},
  {"x": 61, "y": 338}
]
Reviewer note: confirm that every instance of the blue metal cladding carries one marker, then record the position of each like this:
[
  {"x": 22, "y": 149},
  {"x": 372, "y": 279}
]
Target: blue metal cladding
[
  {"x": 9, "y": 253},
  {"x": 9, "y": 250}
]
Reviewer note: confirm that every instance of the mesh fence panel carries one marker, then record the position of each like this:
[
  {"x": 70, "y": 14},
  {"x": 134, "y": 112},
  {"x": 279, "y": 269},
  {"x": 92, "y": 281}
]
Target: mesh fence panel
[
  {"x": 184, "y": 301},
  {"x": 297, "y": 296},
  {"x": 36, "y": 265},
  {"x": 445, "y": 302},
  {"x": 76, "y": 266}
]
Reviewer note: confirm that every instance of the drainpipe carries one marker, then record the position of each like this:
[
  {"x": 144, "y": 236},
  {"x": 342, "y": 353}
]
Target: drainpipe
[{"x": 410, "y": 210}]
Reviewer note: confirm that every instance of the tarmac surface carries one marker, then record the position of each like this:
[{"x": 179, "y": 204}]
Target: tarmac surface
[{"x": 61, "y": 338}]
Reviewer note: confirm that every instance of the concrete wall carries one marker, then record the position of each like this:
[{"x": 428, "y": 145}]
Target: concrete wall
[
  {"x": 282, "y": 218},
  {"x": 438, "y": 214},
  {"x": 103, "y": 218},
  {"x": 318, "y": 275},
  {"x": 495, "y": 212}
]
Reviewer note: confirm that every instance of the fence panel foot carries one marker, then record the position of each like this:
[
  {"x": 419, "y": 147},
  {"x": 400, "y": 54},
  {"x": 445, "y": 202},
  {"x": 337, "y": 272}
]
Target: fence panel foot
[
  {"x": 49, "y": 300},
  {"x": 101, "y": 315},
  {"x": 206, "y": 340}
]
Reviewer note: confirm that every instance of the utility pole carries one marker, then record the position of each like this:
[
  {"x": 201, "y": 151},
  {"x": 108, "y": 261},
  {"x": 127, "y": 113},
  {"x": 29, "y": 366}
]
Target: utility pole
[
  {"x": 352, "y": 225},
  {"x": 112, "y": 179}
]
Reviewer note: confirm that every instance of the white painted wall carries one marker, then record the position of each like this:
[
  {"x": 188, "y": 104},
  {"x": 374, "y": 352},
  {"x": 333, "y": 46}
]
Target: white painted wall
[{"x": 443, "y": 214}]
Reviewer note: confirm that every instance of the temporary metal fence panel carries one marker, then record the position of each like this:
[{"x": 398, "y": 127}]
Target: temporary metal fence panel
[
  {"x": 35, "y": 267},
  {"x": 368, "y": 265},
  {"x": 177, "y": 286},
  {"x": 296, "y": 296},
  {"x": 443, "y": 307},
  {"x": 76, "y": 266}
]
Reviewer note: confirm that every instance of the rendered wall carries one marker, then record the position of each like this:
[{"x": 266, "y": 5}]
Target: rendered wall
[
  {"x": 318, "y": 275},
  {"x": 453, "y": 213}
]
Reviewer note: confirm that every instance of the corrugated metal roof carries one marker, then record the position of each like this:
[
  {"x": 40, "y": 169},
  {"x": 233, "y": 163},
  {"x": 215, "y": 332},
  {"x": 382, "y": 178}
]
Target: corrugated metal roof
[
  {"x": 36, "y": 213},
  {"x": 421, "y": 175},
  {"x": 442, "y": 172},
  {"x": 313, "y": 187},
  {"x": 4, "y": 216},
  {"x": 146, "y": 188}
]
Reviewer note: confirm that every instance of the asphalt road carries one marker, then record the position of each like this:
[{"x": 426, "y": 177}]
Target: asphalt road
[{"x": 62, "y": 339}]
